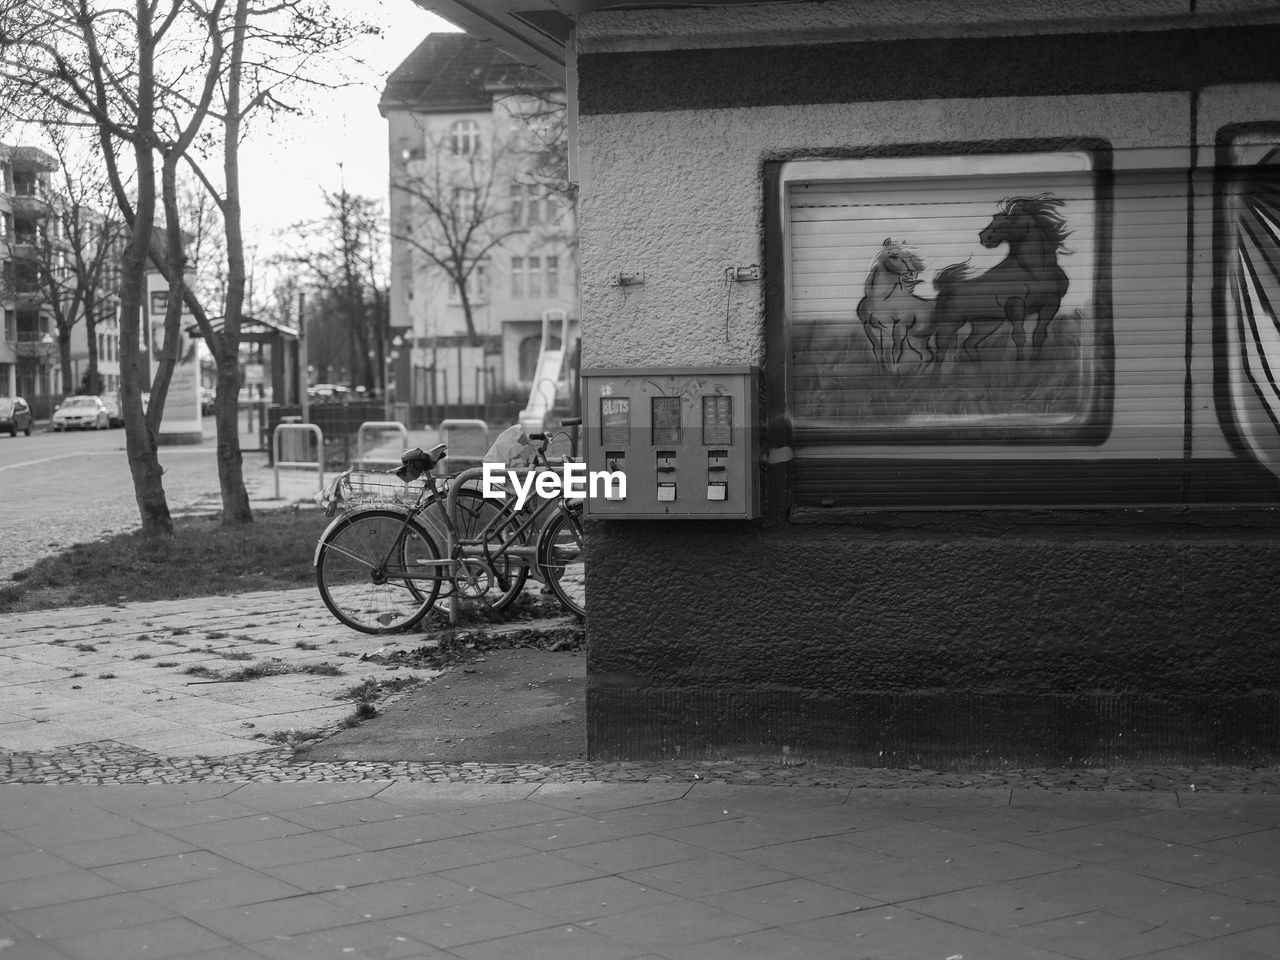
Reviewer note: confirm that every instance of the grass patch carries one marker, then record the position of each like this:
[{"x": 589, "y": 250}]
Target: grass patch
[
  {"x": 202, "y": 559},
  {"x": 293, "y": 738},
  {"x": 372, "y": 689},
  {"x": 322, "y": 670},
  {"x": 255, "y": 671}
]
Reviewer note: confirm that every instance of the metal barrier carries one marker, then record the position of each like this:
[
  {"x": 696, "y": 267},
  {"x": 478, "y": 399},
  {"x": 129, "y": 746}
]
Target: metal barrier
[
  {"x": 468, "y": 442},
  {"x": 381, "y": 428},
  {"x": 293, "y": 432}
]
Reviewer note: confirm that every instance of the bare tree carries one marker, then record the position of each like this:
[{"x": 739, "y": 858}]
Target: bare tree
[
  {"x": 458, "y": 209},
  {"x": 345, "y": 273},
  {"x": 162, "y": 84}
]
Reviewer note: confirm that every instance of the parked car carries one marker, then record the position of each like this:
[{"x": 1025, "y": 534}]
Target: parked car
[
  {"x": 328, "y": 392},
  {"x": 83, "y": 413},
  {"x": 15, "y": 415},
  {"x": 115, "y": 418}
]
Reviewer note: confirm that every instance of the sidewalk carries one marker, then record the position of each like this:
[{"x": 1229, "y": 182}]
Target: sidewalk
[
  {"x": 146, "y": 818},
  {"x": 685, "y": 871},
  {"x": 146, "y": 812}
]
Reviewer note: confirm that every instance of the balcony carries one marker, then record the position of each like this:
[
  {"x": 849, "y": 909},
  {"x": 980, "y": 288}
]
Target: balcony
[
  {"x": 34, "y": 203},
  {"x": 37, "y": 345}
]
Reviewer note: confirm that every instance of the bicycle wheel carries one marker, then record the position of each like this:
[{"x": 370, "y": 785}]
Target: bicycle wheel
[
  {"x": 475, "y": 512},
  {"x": 562, "y": 556},
  {"x": 377, "y": 572}
]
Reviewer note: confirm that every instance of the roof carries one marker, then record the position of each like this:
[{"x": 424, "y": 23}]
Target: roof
[
  {"x": 252, "y": 329},
  {"x": 26, "y": 158},
  {"x": 536, "y": 32},
  {"x": 455, "y": 71}
]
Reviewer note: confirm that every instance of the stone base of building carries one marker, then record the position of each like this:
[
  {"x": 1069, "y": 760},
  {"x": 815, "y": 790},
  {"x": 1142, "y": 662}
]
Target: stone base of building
[
  {"x": 952, "y": 639},
  {"x": 935, "y": 730}
]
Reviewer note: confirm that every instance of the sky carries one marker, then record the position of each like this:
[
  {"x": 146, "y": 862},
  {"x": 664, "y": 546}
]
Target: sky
[{"x": 343, "y": 141}]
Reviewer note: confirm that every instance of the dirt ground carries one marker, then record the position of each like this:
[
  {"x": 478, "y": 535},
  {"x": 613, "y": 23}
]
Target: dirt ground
[{"x": 520, "y": 705}]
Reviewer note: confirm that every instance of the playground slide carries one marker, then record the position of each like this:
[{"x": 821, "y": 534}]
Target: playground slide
[
  {"x": 542, "y": 395},
  {"x": 549, "y": 371}
]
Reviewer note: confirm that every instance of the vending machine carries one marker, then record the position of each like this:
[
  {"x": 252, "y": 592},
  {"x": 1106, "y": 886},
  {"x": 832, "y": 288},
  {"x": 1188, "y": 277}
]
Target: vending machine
[{"x": 671, "y": 443}]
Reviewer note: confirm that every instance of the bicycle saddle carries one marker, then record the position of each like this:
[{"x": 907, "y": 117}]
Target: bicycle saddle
[{"x": 414, "y": 463}]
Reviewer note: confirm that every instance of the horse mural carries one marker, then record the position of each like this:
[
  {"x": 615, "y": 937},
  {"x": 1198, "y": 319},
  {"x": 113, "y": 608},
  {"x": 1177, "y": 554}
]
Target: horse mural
[
  {"x": 1027, "y": 286},
  {"x": 893, "y": 318}
]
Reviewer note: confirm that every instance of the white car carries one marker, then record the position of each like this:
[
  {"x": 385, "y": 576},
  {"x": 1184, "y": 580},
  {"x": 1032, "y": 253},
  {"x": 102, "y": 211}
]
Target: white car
[{"x": 81, "y": 413}]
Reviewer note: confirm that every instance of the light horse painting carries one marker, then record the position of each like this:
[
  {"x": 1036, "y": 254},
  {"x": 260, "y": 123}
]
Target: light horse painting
[
  {"x": 1026, "y": 287},
  {"x": 894, "y": 319}
]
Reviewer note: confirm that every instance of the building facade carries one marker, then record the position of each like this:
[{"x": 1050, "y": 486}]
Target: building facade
[
  {"x": 1016, "y": 327},
  {"x": 474, "y": 194},
  {"x": 39, "y": 235}
]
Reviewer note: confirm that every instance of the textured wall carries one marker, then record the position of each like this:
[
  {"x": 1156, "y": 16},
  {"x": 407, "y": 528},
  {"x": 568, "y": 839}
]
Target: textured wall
[{"x": 950, "y": 638}]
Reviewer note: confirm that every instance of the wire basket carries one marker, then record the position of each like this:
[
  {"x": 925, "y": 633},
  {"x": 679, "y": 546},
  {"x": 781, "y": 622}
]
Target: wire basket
[{"x": 355, "y": 489}]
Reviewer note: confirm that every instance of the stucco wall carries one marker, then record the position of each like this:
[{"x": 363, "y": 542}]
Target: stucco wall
[{"x": 950, "y": 638}]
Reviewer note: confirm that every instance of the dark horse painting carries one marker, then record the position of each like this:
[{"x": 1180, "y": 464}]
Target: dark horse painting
[{"x": 1026, "y": 287}]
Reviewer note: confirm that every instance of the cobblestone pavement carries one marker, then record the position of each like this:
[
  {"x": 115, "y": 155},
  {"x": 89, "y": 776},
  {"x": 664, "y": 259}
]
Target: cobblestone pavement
[{"x": 109, "y": 762}]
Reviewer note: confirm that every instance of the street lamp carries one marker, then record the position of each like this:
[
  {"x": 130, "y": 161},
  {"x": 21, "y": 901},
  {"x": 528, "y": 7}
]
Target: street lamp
[
  {"x": 46, "y": 347},
  {"x": 388, "y": 374}
]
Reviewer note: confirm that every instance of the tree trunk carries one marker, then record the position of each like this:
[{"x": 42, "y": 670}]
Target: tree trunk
[
  {"x": 64, "y": 360},
  {"x": 92, "y": 382},
  {"x": 235, "y": 498},
  {"x": 140, "y": 439}
]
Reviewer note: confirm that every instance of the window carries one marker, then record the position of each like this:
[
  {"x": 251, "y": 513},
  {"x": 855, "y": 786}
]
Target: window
[
  {"x": 10, "y": 326},
  {"x": 553, "y": 276},
  {"x": 464, "y": 138},
  {"x": 535, "y": 277},
  {"x": 531, "y": 206},
  {"x": 945, "y": 327},
  {"x": 529, "y": 350},
  {"x": 477, "y": 286},
  {"x": 1247, "y": 268},
  {"x": 517, "y": 205},
  {"x": 465, "y": 204},
  {"x": 517, "y": 276}
]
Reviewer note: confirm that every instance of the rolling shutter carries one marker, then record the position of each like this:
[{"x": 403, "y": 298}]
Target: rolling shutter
[{"x": 996, "y": 330}]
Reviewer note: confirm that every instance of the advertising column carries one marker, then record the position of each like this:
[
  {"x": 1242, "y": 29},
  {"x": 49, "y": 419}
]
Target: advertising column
[{"x": 182, "y": 421}]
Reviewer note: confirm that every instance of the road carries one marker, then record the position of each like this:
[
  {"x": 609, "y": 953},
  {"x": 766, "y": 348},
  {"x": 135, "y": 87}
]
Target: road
[{"x": 58, "y": 489}]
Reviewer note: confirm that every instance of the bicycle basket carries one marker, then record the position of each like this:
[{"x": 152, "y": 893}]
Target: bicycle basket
[{"x": 355, "y": 488}]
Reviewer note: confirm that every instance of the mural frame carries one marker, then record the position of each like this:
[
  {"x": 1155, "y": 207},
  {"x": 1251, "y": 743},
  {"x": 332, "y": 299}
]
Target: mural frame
[
  {"x": 1227, "y": 175},
  {"x": 1090, "y": 427}
]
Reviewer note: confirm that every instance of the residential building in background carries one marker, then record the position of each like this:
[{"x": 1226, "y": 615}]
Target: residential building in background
[
  {"x": 484, "y": 265},
  {"x": 42, "y": 237}
]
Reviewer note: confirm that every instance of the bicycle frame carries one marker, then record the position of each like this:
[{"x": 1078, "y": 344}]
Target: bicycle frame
[
  {"x": 513, "y": 525},
  {"x": 510, "y": 523}
]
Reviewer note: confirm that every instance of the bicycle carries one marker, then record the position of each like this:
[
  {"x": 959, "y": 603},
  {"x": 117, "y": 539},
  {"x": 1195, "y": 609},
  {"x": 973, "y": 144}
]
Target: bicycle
[{"x": 379, "y": 568}]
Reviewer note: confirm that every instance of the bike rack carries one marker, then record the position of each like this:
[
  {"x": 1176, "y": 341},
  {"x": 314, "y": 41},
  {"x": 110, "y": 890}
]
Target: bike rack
[
  {"x": 277, "y": 450},
  {"x": 469, "y": 475},
  {"x": 468, "y": 440},
  {"x": 381, "y": 427}
]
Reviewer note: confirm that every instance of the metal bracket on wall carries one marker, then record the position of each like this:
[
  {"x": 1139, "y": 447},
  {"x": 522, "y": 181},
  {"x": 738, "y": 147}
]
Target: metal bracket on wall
[
  {"x": 742, "y": 274},
  {"x": 626, "y": 279}
]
